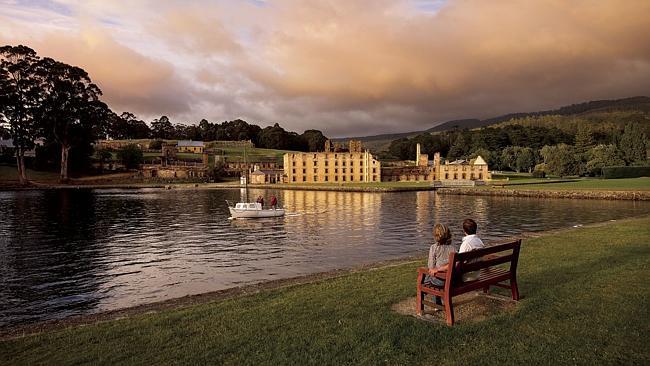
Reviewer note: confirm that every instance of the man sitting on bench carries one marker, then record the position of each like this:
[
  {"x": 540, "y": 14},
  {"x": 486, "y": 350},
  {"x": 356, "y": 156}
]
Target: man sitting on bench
[{"x": 470, "y": 242}]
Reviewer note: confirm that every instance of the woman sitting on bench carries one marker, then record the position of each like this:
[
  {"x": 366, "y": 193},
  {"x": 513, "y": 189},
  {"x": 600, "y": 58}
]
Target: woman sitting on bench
[{"x": 439, "y": 256}]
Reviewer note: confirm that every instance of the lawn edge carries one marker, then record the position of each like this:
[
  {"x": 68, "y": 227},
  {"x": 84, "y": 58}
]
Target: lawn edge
[{"x": 22, "y": 331}]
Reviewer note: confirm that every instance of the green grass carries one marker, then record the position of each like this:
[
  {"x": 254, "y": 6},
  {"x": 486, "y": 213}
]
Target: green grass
[
  {"x": 233, "y": 154},
  {"x": 585, "y": 300},
  {"x": 9, "y": 174},
  {"x": 626, "y": 184}
]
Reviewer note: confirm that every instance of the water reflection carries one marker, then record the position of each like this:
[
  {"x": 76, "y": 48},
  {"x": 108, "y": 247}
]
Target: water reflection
[{"x": 72, "y": 252}]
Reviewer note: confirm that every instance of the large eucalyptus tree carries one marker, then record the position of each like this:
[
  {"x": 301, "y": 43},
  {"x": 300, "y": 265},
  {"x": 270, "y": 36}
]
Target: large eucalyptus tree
[
  {"x": 20, "y": 98},
  {"x": 71, "y": 111}
]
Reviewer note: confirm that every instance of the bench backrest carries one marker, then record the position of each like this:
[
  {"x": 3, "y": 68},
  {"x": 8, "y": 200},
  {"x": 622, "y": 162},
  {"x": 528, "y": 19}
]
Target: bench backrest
[{"x": 471, "y": 261}]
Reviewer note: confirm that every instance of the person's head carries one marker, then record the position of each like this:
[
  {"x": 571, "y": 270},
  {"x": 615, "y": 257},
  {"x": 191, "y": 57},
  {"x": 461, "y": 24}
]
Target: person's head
[
  {"x": 442, "y": 234},
  {"x": 469, "y": 227}
]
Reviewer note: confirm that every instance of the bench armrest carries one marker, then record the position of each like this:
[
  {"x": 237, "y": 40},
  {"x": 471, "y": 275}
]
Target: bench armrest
[{"x": 440, "y": 274}]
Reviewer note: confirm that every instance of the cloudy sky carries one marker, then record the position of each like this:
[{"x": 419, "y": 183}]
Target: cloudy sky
[{"x": 346, "y": 67}]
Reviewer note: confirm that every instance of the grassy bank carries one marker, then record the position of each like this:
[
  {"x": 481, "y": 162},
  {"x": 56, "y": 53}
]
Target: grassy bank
[
  {"x": 585, "y": 301},
  {"x": 626, "y": 184}
]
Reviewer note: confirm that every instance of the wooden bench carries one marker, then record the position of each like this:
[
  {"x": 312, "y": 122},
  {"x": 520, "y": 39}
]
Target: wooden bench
[{"x": 486, "y": 261}]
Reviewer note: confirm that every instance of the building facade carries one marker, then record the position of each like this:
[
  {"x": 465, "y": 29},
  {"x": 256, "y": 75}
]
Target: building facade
[
  {"x": 188, "y": 146},
  {"x": 463, "y": 170},
  {"x": 353, "y": 166}
]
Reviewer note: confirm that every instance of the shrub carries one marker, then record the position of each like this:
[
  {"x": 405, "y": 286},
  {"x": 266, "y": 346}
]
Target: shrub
[
  {"x": 217, "y": 172},
  {"x": 613, "y": 172},
  {"x": 156, "y": 144},
  {"x": 539, "y": 174},
  {"x": 539, "y": 171},
  {"x": 130, "y": 155}
]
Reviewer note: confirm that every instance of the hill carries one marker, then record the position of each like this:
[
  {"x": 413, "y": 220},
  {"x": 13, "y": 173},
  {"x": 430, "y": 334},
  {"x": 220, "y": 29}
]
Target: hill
[{"x": 598, "y": 112}]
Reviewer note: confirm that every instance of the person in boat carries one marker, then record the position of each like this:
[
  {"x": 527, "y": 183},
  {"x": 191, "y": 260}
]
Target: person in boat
[
  {"x": 439, "y": 256},
  {"x": 260, "y": 200},
  {"x": 274, "y": 202}
]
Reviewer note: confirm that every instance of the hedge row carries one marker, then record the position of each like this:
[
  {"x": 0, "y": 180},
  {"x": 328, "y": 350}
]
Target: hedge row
[{"x": 613, "y": 172}]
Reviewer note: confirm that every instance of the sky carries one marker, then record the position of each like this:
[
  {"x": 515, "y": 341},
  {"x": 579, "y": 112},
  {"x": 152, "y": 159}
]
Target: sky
[{"x": 345, "y": 67}]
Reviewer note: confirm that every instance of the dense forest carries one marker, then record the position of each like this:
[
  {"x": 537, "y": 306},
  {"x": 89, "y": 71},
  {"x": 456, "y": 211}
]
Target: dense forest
[
  {"x": 558, "y": 145},
  {"x": 42, "y": 99}
]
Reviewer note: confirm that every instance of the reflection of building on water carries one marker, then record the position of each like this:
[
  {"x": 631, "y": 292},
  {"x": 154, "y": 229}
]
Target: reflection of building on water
[
  {"x": 423, "y": 209},
  {"x": 318, "y": 209}
]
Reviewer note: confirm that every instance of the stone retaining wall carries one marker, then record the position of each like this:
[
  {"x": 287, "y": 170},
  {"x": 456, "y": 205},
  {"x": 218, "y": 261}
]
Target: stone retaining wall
[{"x": 596, "y": 195}]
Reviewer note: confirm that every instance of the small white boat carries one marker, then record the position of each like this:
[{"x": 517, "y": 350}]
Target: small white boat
[{"x": 251, "y": 210}]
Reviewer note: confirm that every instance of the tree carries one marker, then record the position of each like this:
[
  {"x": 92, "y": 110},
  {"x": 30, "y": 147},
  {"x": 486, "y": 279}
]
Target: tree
[
  {"x": 313, "y": 140},
  {"x": 274, "y": 137},
  {"x": 217, "y": 172},
  {"x": 20, "y": 96},
  {"x": 130, "y": 155},
  {"x": 525, "y": 159},
  {"x": 632, "y": 143},
  {"x": 560, "y": 160},
  {"x": 128, "y": 126},
  {"x": 162, "y": 128},
  {"x": 584, "y": 139},
  {"x": 602, "y": 156},
  {"x": 461, "y": 146},
  {"x": 400, "y": 148},
  {"x": 71, "y": 113}
]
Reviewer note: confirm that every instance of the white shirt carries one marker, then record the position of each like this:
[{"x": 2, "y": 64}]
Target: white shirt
[{"x": 471, "y": 242}]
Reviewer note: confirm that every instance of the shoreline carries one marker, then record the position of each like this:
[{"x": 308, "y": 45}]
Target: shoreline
[
  {"x": 570, "y": 194},
  {"x": 20, "y": 331},
  {"x": 623, "y": 195}
]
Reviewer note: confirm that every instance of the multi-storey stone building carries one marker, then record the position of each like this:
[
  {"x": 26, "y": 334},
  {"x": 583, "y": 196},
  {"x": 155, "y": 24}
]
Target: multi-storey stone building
[
  {"x": 454, "y": 172},
  {"x": 330, "y": 166}
]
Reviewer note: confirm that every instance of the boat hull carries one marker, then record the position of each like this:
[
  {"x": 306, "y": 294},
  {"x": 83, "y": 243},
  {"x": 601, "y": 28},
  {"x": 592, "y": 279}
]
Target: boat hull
[{"x": 253, "y": 214}]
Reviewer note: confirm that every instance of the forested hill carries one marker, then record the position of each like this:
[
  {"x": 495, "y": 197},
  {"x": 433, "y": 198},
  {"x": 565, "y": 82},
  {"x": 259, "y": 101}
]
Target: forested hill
[
  {"x": 640, "y": 103},
  {"x": 592, "y": 110}
]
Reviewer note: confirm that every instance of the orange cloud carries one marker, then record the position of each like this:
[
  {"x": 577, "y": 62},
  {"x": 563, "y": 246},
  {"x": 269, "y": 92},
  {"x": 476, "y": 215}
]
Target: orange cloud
[{"x": 354, "y": 67}]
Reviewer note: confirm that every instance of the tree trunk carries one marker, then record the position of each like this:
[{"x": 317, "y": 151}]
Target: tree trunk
[
  {"x": 64, "y": 162},
  {"x": 20, "y": 163}
]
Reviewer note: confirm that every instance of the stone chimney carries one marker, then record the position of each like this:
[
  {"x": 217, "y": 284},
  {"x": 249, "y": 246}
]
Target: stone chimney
[{"x": 417, "y": 154}]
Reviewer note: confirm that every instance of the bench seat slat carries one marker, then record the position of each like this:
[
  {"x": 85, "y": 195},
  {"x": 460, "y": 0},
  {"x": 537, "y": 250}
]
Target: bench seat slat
[{"x": 471, "y": 267}]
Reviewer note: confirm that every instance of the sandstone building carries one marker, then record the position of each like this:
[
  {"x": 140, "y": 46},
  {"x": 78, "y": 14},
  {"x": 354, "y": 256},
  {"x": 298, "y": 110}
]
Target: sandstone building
[
  {"x": 189, "y": 146},
  {"x": 449, "y": 173},
  {"x": 332, "y": 166}
]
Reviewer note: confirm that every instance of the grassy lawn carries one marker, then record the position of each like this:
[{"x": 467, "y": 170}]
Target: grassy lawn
[
  {"x": 585, "y": 300},
  {"x": 626, "y": 184},
  {"x": 10, "y": 174}
]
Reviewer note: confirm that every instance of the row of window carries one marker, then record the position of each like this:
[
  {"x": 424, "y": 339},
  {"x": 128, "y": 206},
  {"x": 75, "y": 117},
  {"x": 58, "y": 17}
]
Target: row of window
[
  {"x": 336, "y": 171},
  {"x": 374, "y": 178},
  {"x": 336, "y": 163},
  {"x": 336, "y": 156},
  {"x": 464, "y": 176}
]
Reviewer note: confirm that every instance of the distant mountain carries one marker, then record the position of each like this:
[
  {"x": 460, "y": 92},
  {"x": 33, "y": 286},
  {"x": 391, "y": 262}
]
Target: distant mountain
[
  {"x": 633, "y": 103},
  {"x": 641, "y": 103}
]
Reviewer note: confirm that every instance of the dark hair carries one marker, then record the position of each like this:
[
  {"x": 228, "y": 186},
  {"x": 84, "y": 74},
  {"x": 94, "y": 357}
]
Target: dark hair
[{"x": 469, "y": 226}]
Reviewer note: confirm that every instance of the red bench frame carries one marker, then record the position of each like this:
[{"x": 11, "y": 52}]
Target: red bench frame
[{"x": 485, "y": 261}]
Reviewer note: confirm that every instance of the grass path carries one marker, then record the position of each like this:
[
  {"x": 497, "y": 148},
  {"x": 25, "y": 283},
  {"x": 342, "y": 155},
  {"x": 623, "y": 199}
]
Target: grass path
[{"x": 585, "y": 300}]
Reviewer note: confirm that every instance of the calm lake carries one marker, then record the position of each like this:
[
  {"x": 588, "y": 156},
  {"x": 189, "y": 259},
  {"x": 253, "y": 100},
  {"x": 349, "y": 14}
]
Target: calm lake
[{"x": 69, "y": 252}]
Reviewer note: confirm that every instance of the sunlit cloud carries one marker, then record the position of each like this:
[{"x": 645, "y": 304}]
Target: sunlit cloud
[{"x": 345, "y": 67}]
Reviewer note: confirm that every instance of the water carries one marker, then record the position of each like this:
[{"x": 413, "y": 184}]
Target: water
[{"x": 75, "y": 252}]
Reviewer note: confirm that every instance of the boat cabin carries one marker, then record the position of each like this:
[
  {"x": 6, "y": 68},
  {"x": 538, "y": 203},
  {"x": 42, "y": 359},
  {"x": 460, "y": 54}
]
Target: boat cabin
[{"x": 248, "y": 206}]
